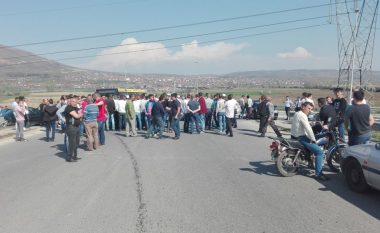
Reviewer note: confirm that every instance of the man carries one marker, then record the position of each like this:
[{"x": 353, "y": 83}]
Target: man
[
  {"x": 230, "y": 106},
  {"x": 209, "y": 103},
  {"x": 111, "y": 108},
  {"x": 186, "y": 114},
  {"x": 327, "y": 114},
  {"x": 19, "y": 112},
  {"x": 120, "y": 107},
  {"x": 288, "y": 104},
  {"x": 340, "y": 105},
  {"x": 268, "y": 118},
  {"x": 358, "y": 120},
  {"x": 242, "y": 105},
  {"x": 99, "y": 101},
  {"x": 263, "y": 112},
  {"x": 302, "y": 131},
  {"x": 137, "y": 106},
  {"x": 148, "y": 110},
  {"x": 158, "y": 114},
  {"x": 143, "y": 101},
  {"x": 90, "y": 115},
  {"x": 175, "y": 110},
  {"x": 50, "y": 118},
  {"x": 221, "y": 113},
  {"x": 202, "y": 112},
  {"x": 72, "y": 116},
  {"x": 130, "y": 130},
  {"x": 249, "y": 108},
  {"x": 193, "y": 107}
]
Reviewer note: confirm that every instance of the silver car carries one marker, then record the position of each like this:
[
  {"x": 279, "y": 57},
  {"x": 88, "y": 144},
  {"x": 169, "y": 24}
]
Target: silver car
[{"x": 361, "y": 167}]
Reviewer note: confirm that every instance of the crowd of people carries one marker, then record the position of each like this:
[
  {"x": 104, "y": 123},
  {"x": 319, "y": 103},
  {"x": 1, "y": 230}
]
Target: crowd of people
[{"x": 92, "y": 115}]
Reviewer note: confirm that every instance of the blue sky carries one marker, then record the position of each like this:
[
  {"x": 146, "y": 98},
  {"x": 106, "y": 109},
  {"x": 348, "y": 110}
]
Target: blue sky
[{"x": 24, "y": 21}]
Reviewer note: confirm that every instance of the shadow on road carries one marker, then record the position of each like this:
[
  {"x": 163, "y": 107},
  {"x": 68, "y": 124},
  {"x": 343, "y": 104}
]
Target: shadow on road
[
  {"x": 61, "y": 150},
  {"x": 262, "y": 168},
  {"x": 368, "y": 202}
]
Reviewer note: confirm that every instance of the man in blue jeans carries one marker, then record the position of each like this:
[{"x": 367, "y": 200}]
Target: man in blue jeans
[
  {"x": 302, "y": 131},
  {"x": 175, "y": 110}
]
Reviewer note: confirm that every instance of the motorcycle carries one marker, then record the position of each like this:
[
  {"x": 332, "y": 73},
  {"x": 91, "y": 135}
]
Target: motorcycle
[{"x": 290, "y": 154}]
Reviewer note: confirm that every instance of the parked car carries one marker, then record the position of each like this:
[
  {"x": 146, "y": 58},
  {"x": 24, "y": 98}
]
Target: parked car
[
  {"x": 35, "y": 116},
  {"x": 361, "y": 167}
]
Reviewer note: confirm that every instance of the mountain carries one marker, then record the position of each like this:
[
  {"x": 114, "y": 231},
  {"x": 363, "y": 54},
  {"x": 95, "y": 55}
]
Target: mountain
[{"x": 23, "y": 71}]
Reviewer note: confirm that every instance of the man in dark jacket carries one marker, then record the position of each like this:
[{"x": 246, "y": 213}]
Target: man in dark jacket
[
  {"x": 263, "y": 112},
  {"x": 50, "y": 119},
  {"x": 157, "y": 119}
]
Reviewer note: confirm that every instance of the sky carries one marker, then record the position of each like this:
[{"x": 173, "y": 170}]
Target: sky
[{"x": 258, "y": 42}]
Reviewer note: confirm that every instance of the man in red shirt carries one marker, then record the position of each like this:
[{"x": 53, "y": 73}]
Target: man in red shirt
[
  {"x": 99, "y": 101},
  {"x": 202, "y": 112}
]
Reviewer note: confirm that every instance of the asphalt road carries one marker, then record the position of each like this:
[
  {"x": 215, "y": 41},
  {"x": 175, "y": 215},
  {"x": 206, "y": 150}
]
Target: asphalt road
[{"x": 200, "y": 183}]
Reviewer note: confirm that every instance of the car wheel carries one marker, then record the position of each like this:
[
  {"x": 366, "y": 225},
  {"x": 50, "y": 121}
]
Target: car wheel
[{"x": 355, "y": 178}]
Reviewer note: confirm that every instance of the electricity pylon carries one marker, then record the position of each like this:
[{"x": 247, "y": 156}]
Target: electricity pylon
[{"x": 356, "y": 27}]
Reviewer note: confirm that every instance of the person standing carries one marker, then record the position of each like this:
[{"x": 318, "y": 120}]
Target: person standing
[
  {"x": 175, "y": 109},
  {"x": 99, "y": 101},
  {"x": 157, "y": 123},
  {"x": 130, "y": 130},
  {"x": 221, "y": 113},
  {"x": 111, "y": 108},
  {"x": 358, "y": 120},
  {"x": 340, "y": 105},
  {"x": 90, "y": 114},
  {"x": 209, "y": 102},
  {"x": 264, "y": 113},
  {"x": 193, "y": 107},
  {"x": 327, "y": 114},
  {"x": 288, "y": 104},
  {"x": 120, "y": 107},
  {"x": 50, "y": 118},
  {"x": 202, "y": 112},
  {"x": 249, "y": 108},
  {"x": 73, "y": 117},
  {"x": 230, "y": 106},
  {"x": 137, "y": 106},
  {"x": 19, "y": 112}
]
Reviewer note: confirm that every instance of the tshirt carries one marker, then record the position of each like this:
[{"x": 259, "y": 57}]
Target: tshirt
[
  {"x": 174, "y": 105},
  {"x": 102, "y": 110},
  {"x": 358, "y": 117},
  {"x": 91, "y": 112},
  {"x": 70, "y": 120},
  {"x": 230, "y": 107},
  {"x": 193, "y": 105}
]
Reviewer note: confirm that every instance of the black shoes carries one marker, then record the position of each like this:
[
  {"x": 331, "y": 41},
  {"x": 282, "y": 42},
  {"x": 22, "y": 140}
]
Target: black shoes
[
  {"x": 322, "y": 177},
  {"x": 176, "y": 138}
]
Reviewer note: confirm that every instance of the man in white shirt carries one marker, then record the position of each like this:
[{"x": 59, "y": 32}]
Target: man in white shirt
[
  {"x": 120, "y": 108},
  {"x": 230, "y": 106},
  {"x": 302, "y": 131}
]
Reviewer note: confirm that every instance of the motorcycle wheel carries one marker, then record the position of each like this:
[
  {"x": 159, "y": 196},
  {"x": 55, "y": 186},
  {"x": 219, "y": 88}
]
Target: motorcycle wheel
[
  {"x": 333, "y": 158},
  {"x": 286, "y": 164}
]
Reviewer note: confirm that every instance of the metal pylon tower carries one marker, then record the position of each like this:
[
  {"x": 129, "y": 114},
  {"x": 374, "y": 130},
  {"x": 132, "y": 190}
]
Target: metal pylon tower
[{"x": 356, "y": 27}]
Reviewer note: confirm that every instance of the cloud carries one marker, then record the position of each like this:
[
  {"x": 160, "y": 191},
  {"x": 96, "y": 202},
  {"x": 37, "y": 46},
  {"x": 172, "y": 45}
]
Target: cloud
[
  {"x": 298, "y": 53},
  {"x": 132, "y": 53}
]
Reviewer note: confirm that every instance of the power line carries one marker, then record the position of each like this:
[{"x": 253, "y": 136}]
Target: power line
[
  {"x": 173, "y": 46},
  {"x": 174, "y": 26},
  {"x": 71, "y": 8},
  {"x": 173, "y": 38}
]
